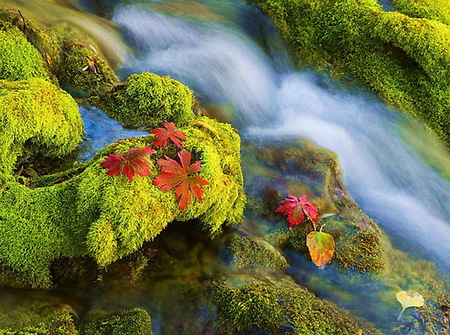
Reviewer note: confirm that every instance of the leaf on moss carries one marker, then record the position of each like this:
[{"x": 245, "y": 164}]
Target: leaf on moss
[
  {"x": 169, "y": 132},
  {"x": 321, "y": 247},
  {"x": 181, "y": 176},
  {"x": 296, "y": 208},
  {"x": 409, "y": 299},
  {"x": 129, "y": 163}
]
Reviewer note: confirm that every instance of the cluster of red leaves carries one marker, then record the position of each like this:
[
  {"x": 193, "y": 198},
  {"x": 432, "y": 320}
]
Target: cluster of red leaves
[
  {"x": 182, "y": 176},
  {"x": 296, "y": 208},
  {"x": 129, "y": 163},
  {"x": 320, "y": 245}
]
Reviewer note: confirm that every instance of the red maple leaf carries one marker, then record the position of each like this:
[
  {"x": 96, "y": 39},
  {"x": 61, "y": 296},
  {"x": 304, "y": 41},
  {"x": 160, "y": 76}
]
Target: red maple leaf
[
  {"x": 129, "y": 163},
  {"x": 181, "y": 176},
  {"x": 169, "y": 132},
  {"x": 296, "y": 209}
]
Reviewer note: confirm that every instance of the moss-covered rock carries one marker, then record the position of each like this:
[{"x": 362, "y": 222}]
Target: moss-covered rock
[
  {"x": 147, "y": 99},
  {"x": 305, "y": 168},
  {"x": 279, "y": 307},
  {"x": 51, "y": 319},
  {"x": 404, "y": 59},
  {"x": 126, "y": 322},
  {"x": 19, "y": 60},
  {"x": 68, "y": 54},
  {"x": 426, "y": 9},
  {"x": 36, "y": 118},
  {"x": 87, "y": 212}
]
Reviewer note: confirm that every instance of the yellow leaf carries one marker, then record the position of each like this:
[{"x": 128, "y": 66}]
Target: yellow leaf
[
  {"x": 409, "y": 299},
  {"x": 321, "y": 247}
]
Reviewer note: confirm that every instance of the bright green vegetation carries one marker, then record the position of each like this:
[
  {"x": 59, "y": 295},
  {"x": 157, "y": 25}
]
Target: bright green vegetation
[
  {"x": 53, "y": 319},
  {"x": 438, "y": 10},
  {"x": 148, "y": 99},
  {"x": 19, "y": 60},
  {"x": 127, "y": 322},
  {"x": 280, "y": 306},
  {"x": 87, "y": 212},
  {"x": 62, "y": 49},
  {"x": 404, "y": 59},
  {"x": 36, "y": 118}
]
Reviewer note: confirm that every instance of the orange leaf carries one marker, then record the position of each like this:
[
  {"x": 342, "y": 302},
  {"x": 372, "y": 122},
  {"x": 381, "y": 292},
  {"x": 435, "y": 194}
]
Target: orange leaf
[{"x": 321, "y": 247}]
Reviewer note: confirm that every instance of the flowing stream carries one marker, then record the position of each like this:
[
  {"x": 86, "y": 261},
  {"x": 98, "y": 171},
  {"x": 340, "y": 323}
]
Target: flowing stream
[
  {"x": 232, "y": 57},
  {"x": 237, "y": 60}
]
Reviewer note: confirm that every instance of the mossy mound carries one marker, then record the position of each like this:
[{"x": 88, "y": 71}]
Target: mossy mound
[
  {"x": 404, "y": 59},
  {"x": 87, "y": 212},
  {"x": 36, "y": 118},
  {"x": 280, "y": 307},
  {"x": 126, "y": 322},
  {"x": 19, "y": 59},
  {"x": 146, "y": 99},
  {"x": 66, "y": 52},
  {"x": 437, "y": 10},
  {"x": 53, "y": 319},
  {"x": 305, "y": 168}
]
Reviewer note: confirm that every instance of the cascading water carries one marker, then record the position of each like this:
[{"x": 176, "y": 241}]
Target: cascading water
[{"x": 219, "y": 60}]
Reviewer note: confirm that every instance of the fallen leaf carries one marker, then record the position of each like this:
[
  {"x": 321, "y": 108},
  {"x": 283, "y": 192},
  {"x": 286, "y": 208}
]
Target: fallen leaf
[
  {"x": 169, "y": 132},
  {"x": 181, "y": 176},
  {"x": 296, "y": 208},
  {"x": 129, "y": 163},
  {"x": 409, "y": 298},
  {"x": 321, "y": 247}
]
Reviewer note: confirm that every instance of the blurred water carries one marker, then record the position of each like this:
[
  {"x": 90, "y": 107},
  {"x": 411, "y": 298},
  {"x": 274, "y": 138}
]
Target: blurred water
[{"x": 225, "y": 63}]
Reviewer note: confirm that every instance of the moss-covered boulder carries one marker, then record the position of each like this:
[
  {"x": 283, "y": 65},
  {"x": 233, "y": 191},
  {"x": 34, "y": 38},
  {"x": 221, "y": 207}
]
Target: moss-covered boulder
[
  {"x": 404, "y": 58},
  {"x": 86, "y": 212},
  {"x": 305, "y": 168},
  {"x": 19, "y": 60},
  {"x": 126, "y": 322},
  {"x": 147, "y": 99},
  {"x": 36, "y": 118},
  {"x": 51, "y": 319},
  {"x": 280, "y": 306},
  {"x": 63, "y": 50}
]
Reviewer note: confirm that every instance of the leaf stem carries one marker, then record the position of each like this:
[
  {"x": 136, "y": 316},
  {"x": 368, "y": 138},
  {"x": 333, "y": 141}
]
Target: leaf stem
[{"x": 401, "y": 313}]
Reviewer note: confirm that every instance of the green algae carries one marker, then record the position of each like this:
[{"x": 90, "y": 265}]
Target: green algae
[
  {"x": 147, "y": 99},
  {"x": 404, "y": 59},
  {"x": 51, "y": 319},
  {"x": 106, "y": 218},
  {"x": 126, "y": 322},
  {"x": 280, "y": 306},
  {"x": 36, "y": 118}
]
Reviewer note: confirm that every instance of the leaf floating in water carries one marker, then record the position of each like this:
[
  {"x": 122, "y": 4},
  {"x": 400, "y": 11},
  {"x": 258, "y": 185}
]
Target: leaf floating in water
[
  {"x": 296, "y": 208},
  {"x": 321, "y": 247},
  {"x": 409, "y": 299}
]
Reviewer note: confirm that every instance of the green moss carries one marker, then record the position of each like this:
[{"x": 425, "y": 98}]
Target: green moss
[
  {"x": 65, "y": 51},
  {"x": 19, "y": 59},
  {"x": 251, "y": 253},
  {"x": 127, "y": 322},
  {"x": 72, "y": 67},
  {"x": 41, "y": 319},
  {"x": 107, "y": 217},
  {"x": 36, "y": 118},
  {"x": 278, "y": 307},
  {"x": 404, "y": 59},
  {"x": 147, "y": 99},
  {"x": 438, "y": 10}
]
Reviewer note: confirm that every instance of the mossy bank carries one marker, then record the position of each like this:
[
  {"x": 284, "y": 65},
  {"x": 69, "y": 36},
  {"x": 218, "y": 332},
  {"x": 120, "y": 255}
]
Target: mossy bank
[{"x": 404, "y": 58}]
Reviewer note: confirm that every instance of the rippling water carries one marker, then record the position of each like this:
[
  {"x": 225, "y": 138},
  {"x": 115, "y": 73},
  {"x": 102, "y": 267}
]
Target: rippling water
[{"x": 226, "y": 63}]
